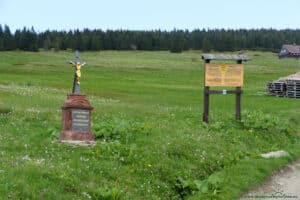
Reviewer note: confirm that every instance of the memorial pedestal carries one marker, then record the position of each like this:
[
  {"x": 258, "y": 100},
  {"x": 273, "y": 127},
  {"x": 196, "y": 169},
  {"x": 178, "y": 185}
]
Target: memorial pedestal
[{"x": 76, "y": 119}]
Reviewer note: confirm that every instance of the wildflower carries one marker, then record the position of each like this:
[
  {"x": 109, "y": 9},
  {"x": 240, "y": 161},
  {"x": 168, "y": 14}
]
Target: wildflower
[
  {"x": 85, "y": 194},
  {"x": 39, "y": 161},
  {"x": 26, "y": 157}
]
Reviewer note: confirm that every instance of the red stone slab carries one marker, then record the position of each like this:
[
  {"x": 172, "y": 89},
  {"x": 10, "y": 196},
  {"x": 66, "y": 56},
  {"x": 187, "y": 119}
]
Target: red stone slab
[{"x": 76, "y": 119}]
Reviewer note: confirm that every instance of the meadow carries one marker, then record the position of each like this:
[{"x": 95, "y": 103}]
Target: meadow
[{"x": 147, "y": 118}]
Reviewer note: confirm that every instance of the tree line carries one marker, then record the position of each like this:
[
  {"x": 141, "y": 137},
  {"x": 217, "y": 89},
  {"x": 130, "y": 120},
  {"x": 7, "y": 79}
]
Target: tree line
[{"x": 174, "y": 41}]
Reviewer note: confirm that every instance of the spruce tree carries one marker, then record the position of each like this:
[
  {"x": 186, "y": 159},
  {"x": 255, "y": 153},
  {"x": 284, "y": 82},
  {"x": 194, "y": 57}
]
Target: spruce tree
[{"x": 1, "y": 39}]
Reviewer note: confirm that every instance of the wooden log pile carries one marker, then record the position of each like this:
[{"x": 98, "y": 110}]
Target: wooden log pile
[
  {"x": 293, "y": 88},
  {"x": 285, "y": 87}
]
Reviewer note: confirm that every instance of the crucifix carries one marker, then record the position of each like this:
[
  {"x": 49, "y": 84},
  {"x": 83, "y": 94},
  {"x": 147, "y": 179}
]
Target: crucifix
[
  {"x": 76, "y": 112},
  {"x": 76, "y": 63}
]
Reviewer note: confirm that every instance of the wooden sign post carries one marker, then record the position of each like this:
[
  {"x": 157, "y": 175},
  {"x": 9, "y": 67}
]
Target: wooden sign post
[{"x": 227, "y": 75}]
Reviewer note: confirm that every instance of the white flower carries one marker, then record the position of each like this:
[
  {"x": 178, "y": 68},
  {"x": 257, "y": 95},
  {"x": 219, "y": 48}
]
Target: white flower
[
  {"x": 26, "y": 157},
  {"x": 39, "y": 161},
  {"x": 85, "y": 194}
]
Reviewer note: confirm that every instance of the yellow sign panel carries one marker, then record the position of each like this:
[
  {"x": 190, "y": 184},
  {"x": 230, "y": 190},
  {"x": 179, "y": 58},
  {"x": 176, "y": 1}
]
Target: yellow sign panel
[{"x": 224, "y": 75}]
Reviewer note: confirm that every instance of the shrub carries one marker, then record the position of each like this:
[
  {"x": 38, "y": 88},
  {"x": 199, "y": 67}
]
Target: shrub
[
  {"x": 260, "y": 122},
  {"x": 120, "y": 128}
]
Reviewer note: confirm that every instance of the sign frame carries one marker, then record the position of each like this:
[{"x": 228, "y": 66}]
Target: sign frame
[{"x": 238, "y": 87}]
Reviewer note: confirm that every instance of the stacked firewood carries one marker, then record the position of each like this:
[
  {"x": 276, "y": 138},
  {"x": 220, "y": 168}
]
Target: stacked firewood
[{"x": 285, "y": 87}]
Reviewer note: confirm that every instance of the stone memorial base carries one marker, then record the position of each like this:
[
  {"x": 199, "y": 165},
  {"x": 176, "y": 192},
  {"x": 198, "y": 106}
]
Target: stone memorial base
[
  {"x": 79, "y": 143},
  {"x": 76, "y": 119}
]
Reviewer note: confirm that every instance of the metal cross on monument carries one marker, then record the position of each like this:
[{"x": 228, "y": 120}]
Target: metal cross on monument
[
  {"x": 76, "y": 112},
  {"x": 77, "y": 64}
]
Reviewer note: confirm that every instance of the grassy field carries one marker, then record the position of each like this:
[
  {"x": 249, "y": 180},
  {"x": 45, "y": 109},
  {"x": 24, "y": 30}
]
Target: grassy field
[{"x": 151, "y": 142}]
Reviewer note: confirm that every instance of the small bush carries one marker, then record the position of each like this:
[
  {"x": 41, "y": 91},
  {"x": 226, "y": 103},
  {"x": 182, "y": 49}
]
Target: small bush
[
  {"x": 264, "y": 123},
  {"x": 208, "y": 188},
  {"x": 120, "y": 129},
  {"x": 5, "y": 110},
  {"x": 5, "y": 114},
  {"x": 106, "y": 194}
]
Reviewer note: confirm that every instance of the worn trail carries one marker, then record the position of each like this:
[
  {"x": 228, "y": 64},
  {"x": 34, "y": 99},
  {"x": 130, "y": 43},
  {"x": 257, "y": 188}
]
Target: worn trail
[{"x": 284, "y": 184}]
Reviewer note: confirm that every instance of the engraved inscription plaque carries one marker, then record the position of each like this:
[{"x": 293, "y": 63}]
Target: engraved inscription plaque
[{"x": 80, "y": 120}]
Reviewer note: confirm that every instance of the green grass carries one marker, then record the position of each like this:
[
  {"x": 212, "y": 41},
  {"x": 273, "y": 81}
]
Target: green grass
[{"x": 151, "y": 143}]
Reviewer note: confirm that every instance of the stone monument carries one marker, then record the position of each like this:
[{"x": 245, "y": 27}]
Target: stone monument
[{"x": 76, "y": 111}]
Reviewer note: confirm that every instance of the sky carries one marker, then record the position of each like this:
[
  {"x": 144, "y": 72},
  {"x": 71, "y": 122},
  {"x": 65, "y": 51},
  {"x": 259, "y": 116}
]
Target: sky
[{"x": 149, "y": 14}]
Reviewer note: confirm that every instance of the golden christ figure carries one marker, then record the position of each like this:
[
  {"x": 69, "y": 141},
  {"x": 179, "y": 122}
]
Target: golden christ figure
[{"x": 77, "y": 75}]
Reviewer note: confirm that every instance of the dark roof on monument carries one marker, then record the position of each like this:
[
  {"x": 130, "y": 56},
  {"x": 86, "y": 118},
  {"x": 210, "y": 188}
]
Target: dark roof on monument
[{"x": 290, "y": 50}]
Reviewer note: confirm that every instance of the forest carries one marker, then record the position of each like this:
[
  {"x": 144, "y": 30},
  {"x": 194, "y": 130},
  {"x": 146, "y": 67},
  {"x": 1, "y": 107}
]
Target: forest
[{"x": 28, "y": 39}]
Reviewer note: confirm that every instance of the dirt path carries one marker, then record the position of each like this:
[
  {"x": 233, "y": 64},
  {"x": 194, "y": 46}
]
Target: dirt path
[{"x": 284, "y": 184}]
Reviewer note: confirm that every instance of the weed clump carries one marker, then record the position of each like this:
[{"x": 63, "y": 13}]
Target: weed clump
[
  {"x": 265, "y": 123},
  {"x": 5, "y": 110},
  {"x": 120, "y": 128}
]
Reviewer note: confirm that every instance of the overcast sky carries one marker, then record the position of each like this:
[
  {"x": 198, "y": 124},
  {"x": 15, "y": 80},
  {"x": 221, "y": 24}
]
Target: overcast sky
[{"x": 149, "y": 14}]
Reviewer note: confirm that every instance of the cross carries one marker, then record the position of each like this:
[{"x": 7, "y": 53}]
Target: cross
[{"x": 76, "y": 63}]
